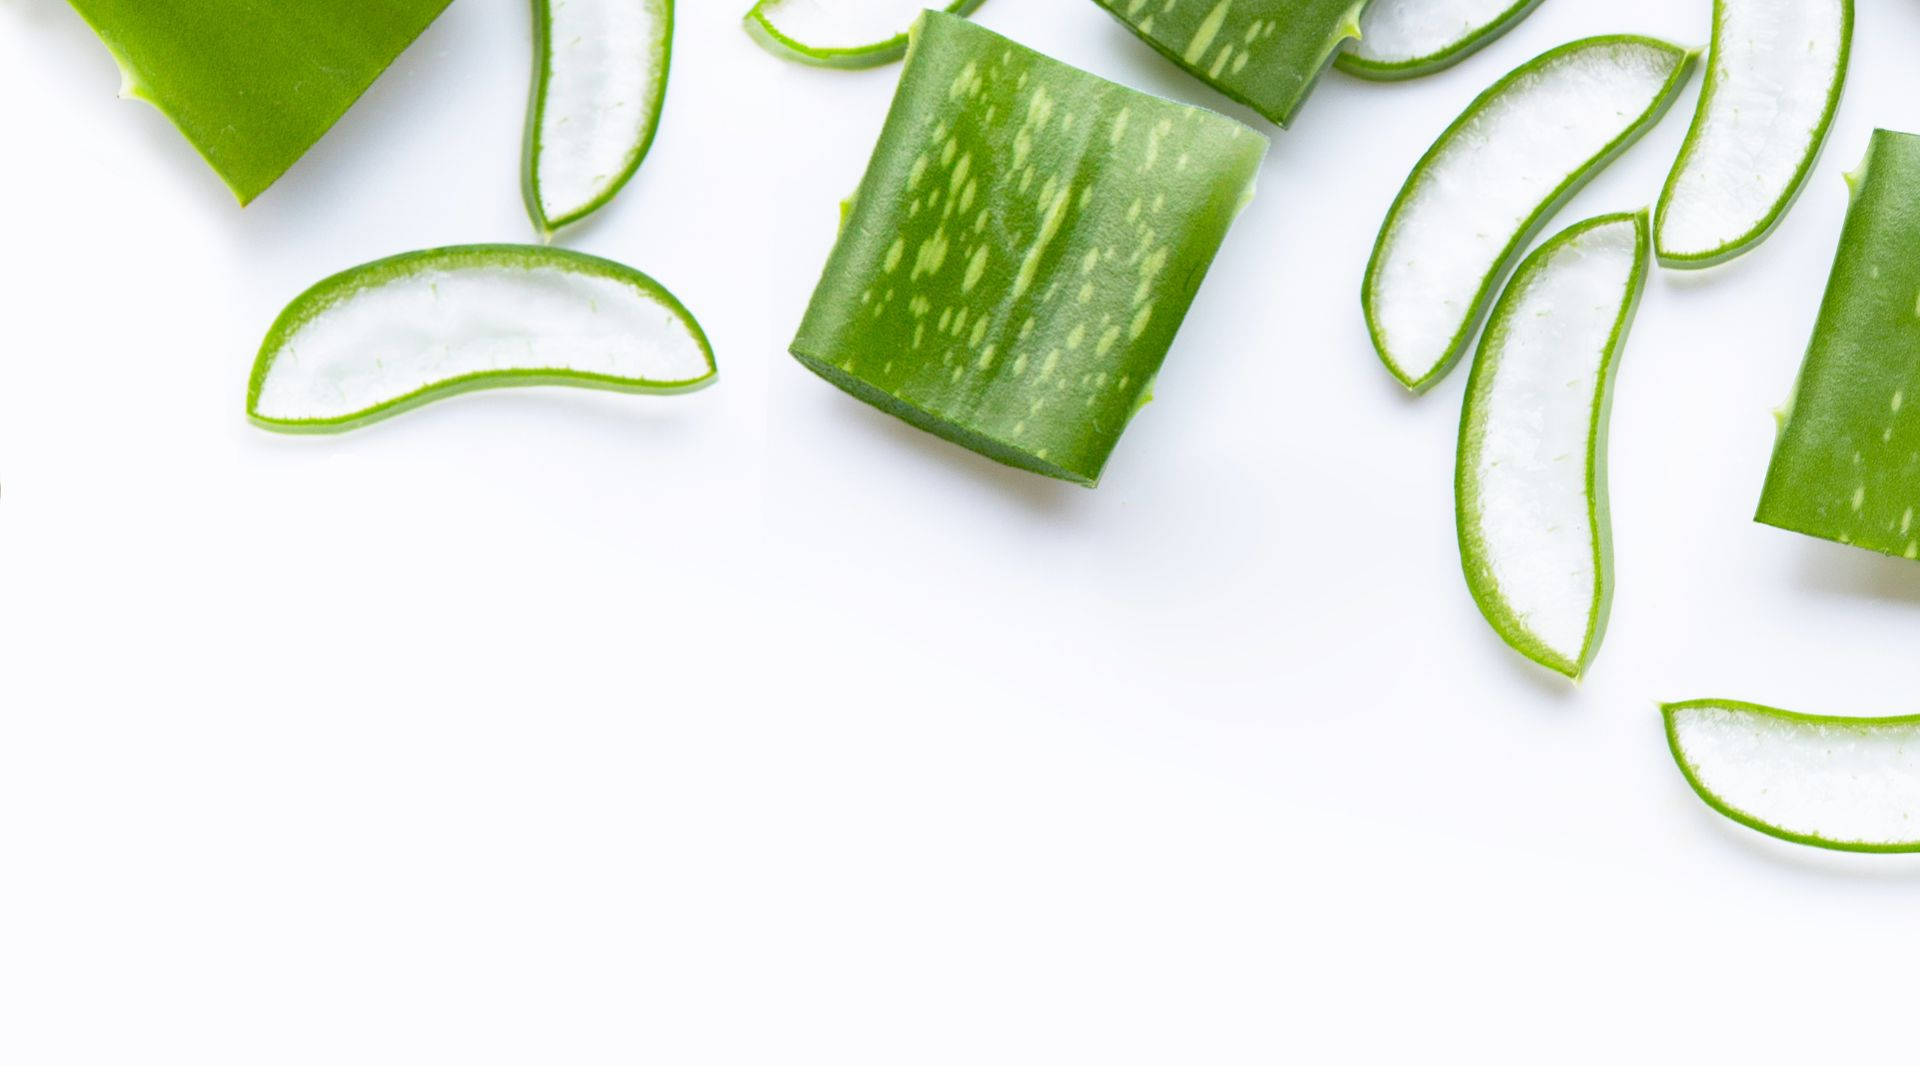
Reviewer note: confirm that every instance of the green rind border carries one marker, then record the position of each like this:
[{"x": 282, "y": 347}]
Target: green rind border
[
  {"x": 349, "y": 283},
  {"x": 1480, "y": 579},
  {"x": 1531, "y": 227},
  {"x": 1439, "y": 60},
  {"x": 769, "y": 37},
  {"x": 536, "y": 108},
  {"x": 1765, "y": 227},
  {"x": 1669, "y": 712}
]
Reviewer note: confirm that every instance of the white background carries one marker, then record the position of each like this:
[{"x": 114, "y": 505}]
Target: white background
[{"x": 546, "y": 727}]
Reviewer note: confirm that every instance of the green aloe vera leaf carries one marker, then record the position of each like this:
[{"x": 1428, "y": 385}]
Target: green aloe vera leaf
[
  {"x": 1264, "y": 54},
  {"x": 253, "y": 84},
  {"x": 1847, "y": 463},
  {"x": 1022, "y": 250},
  {"x": 1774, "y": 76},
  {"x": 410, "y": 329},
  {"x": 599, "y": 80},
  {"x": 1530, "y": 486},
  {"x": 1493, "y": 179},
  {"x": 840, "y": 33},
  {"x": 1404, "y": 39},
  {"x": 1843, "y": 783}
]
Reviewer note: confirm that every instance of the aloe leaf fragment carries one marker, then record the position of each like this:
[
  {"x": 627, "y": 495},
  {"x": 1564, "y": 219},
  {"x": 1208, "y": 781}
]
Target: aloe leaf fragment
[
  {"x": 1264, "y": 54},
  {"x": 840, "y": 33},
  {"x": 1493, "y": 179},
  {"x": 1530, "y": 485},
  {"x": 253, "y": 84},
  {"x": 1775, "y": 73},
  {"x": 407, "y": 330},
  {"x": 1843, "y": 783},
  {"x": 599, "y": 81},
  {"x": 1022, "y": 250},
  {"x": 1405, "y": 39}
]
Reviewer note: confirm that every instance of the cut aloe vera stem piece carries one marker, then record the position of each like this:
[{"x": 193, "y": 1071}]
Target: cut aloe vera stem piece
[
  {"x": 1022, "y": 250},
  {"x": 1773, "y": 82},
  {"x": 599, "y": 79},
  {"x": 840, "y": 33},
  {"x": 1264, "y": 54},
  {"x": 1850, "y": 784},
  {"x": 253, "y": 85},
  {"x": 1530, "y": 488},
  {"x": 1404, "y": 39},
  {"x": 1847, "y": 464},
  {"x": 1491, "y": 181},
  {"x": 403, "y": 331}
]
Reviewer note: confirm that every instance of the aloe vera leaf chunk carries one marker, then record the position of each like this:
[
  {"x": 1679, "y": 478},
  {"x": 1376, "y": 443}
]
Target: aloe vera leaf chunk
[
  {"x": 1774, "y": 77},
  {"x": 1264, "y": 54},
  {"x": 840, "y": 33},
  {"x": 253, "y": 84},
  {"x": 1022, "y": 250},
  {"x": 1404, "y": 39},
  {"x": 1847, "y": 464},
  {"x": 403, "y": 331},
  {"x": 1493, "y": 179},
  {"x": 1530, "y": 485},
  {"x": 599, "y": 80},
  {"x": 1845, "y": 783}
]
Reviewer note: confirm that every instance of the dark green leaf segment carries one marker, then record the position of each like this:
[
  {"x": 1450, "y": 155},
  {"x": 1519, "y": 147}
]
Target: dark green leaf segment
[
  {"x": 1265, "y": 54},
  {"x": 1847, "y": 465},
  {"x": 1022, "y": 250}
]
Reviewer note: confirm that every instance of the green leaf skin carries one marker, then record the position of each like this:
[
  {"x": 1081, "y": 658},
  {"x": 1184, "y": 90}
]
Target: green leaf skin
[
  {"x": 1264, "y": 54},
  {"x": 253, "y": 84},
  {"x": 1355, "y": 59},
  {"x": 1836, "y": 782},
  {"x": 763, "y": 26},
  {"x": 1847, "y": 464},
  {"x": 405, "y": 342},
  {"x": 1022, "y": 250}
]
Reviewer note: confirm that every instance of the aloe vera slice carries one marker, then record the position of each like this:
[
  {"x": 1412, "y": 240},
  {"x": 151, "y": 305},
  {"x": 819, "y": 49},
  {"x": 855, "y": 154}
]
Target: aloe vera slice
[
  {"x": 1773, "y": 82},
  {"x": 1847, "y": 463},
  {"x": 1264, "y": 54},
  {"x": 599, "y": 79},
  {"x": 1493, "y": 178},
  {"x": 1845, "y": 783},
  {"x": 253, "y": 84},
  {"x": 1404, "y": 39},
  {"x": 1530, "y": 487},
  {"x": 1022, "y": 250},
  {"x": 840, "y": 33},
  {"x": 398, "y": 333}
]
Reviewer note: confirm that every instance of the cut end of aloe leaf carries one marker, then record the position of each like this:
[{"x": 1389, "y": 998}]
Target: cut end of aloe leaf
[
  {"x": 1022, "y": 250},
  {"x": 1530, "y": 488},
  {"x": 1404, "y": 39},
  {"x": 1849, "y": 784},
  {"x": 840, "y": 33},
  {"x": 1773, "y": 83},
  {"x": 414, "y": 328},
  {"x": 1493, "y": 179}
]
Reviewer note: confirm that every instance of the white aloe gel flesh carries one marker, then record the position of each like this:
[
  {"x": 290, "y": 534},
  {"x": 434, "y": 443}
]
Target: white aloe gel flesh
[
  {"x": 1399, "y": 31},
  {"x": 602, "y": 87},
  {"x": 1774, "y": 66}
]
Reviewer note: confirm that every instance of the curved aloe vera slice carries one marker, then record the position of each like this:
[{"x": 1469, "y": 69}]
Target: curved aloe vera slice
[
  {"x": 1847, "y": 464},
  {"x": 599, "y": 79},
  {"x": 1404, "y": 39},
  {"x": 1024, "y": 246},
  {"x": 1773, "y": 82},
  {"x": 1492, "y": 179},
  {"x": 840, "y": 33},
  {"x": 1849, "y": 784},
  {"x": 1530, "y": 489},
  {"x": 414, "y": 328},
  {"x": 1264, "y": 54},
  {"x": 253, "y": 85}
]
